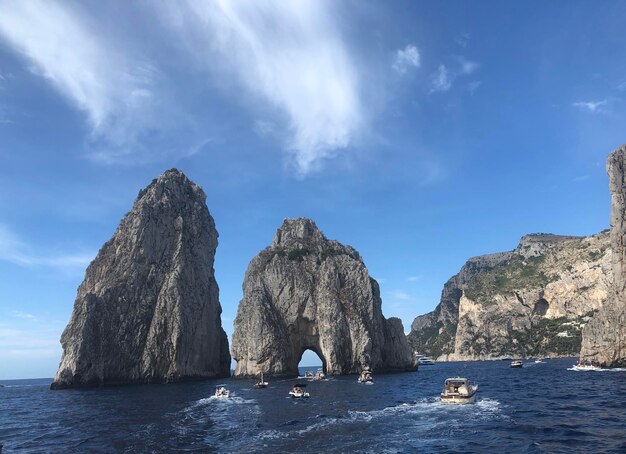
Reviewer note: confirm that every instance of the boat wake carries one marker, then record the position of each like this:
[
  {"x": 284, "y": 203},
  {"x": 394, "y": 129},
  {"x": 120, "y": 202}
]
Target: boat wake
[
  {"x": 596, "y": 369},
  {"x": 428, "y": 413}
]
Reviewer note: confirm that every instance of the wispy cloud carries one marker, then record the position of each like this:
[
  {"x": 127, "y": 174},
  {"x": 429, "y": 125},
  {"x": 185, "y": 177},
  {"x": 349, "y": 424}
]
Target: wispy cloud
[
  {"x": 15, "y": 251},
  {"x": 441, "y": 80},
  {"x": 467, "y": 66},
  {"x": 406, "y": 59},
  {"x": 288, "y": 55},
  {"x": 400, "y": 295},
  {"x": 120, "y": 92},
  {"x": 29, "y": 342},
  {"x": 473, "y": 86},
  {"x": 622, "y": 86},
  {"x": 592, "y": 106},
  {"x": 413, "y": 278},
  {"x": 580, "y": 178}
]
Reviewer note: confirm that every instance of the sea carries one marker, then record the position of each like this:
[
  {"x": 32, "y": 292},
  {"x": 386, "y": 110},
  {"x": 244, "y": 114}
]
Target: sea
[{"x": 540, "y": 408}]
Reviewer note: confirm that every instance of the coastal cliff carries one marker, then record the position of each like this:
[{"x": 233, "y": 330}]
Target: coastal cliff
[
  {"x": 604, "y": 338},
  {"x": 308, "y": 292},
  {"x": 148, "y": 309},
  {"x": 532, "y": 301}
]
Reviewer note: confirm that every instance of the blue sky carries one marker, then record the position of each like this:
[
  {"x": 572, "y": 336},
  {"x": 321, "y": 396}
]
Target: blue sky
[{"x": 421, "y": 133}]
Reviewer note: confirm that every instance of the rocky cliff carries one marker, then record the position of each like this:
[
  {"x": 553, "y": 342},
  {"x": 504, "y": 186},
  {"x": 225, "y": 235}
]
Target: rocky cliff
[
  {"x": 604, "y": 338},
  {"x": 308, "y": 292},
  {"x": 148, "y": 309},
  {"x": 532, "y": 301}
]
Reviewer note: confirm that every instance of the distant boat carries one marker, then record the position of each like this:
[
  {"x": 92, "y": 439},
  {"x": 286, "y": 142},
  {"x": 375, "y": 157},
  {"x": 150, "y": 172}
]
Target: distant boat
[
  {"x": 458, "y": 391},
  {"x": 319, "y": 375},
  {"x": 308, "y": 374},
  {"x": 516, "y": 364},
  {"x": 366, "y": 377},
  {"x": 261, "y": 383},
  {"x": 538, "y": 361},
  {"x": 298, "y": 391},
  {"x": 425, "y": 361},
  {"x": 221, "y": 392},
  {"x": 585, "y": 367}
]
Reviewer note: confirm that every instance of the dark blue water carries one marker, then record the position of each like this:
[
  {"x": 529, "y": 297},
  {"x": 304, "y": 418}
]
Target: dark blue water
[{"x": 540, "y": 408}]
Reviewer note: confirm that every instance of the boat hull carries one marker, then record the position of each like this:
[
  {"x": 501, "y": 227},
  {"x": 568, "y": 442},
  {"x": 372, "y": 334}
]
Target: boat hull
[{"x": 458, "y": 400}]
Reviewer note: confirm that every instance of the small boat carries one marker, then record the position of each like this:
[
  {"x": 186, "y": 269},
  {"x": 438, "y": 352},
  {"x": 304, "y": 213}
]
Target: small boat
[
  {"x": 458, "y": 391},
  {"x": 585, "y": 367},
  {"x": 221, "y": 391},
  {"x": 298, "y": 391},
  {"x": 425, "y": 361},
  {"x": 319, "y": 375},
  {"x": 538, "y": 361},
  {"x": 366, "y": 377},
  {"x": 261, "y": 383},
  {"x": 308, "y": 374},
  {"x": 516, "y": 364}
]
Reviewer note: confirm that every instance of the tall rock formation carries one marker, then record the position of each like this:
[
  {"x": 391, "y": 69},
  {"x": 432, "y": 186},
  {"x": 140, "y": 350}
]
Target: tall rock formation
[
  {"x": 148, "y": 309},
  {"x": 532, "y": 301},
  {"x": 604, "y": 338},
  {"x": 308, "y": 292}
]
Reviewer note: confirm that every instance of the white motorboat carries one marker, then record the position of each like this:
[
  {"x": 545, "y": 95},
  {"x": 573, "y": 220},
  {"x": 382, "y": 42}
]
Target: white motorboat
[
  {"x": 516, "y": 364},
  {"x": 585, "y": 367},
  {"x": 221, "y": 391},
  {"x": 425, "y": 361},
  {"x": 366, "y": 377},
  {"x": 458, "y": 391},
  {"x": 319, "y": 375},
  {"x": 261, "y": 383},
  {"x": 298, "y": 391}
]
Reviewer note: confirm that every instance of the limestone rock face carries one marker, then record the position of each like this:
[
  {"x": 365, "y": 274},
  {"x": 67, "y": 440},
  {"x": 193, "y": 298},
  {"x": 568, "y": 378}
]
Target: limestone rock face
[
  {"x": 148, "y": 309},
  {"x": 604, "y": 338},
  {"x": 532, "y": 301},
  {"x": 308, "y": 292}
]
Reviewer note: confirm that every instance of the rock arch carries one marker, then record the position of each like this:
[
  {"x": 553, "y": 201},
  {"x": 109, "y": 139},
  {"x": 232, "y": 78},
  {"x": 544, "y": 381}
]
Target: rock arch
[{"x": 308, "y": 292}]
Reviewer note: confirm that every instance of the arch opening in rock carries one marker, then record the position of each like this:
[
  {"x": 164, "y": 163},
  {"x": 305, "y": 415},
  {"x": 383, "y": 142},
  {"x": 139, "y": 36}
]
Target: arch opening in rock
[
  {"x": 541, "y": 307},
  {"x": 311, "y": 359}
]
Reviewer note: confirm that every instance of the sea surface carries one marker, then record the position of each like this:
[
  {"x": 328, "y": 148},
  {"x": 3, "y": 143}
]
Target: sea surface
[{"x": 542, "y": 407}]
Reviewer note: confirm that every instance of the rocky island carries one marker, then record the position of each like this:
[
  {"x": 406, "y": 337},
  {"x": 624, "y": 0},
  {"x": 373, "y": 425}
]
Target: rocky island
[
  {"x": 532, "y": 301},
  {"x": 308, "y": 292},
  {"x": 604, "y": 338},
  {"x": 148, "y": 309}
]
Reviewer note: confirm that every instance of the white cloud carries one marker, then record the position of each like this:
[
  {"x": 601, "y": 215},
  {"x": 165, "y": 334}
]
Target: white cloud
[
  {"x": 445, "y": 76},
  {"x": 473, "y": 86},
  {"x": 413, "y": 278},
  {"x": 440, "y": 80},
  {"x": 467, "y": 66},
  {"x": 400, "y": 295},
  {"x": 13, "y": 250},
  {"x": 592, "y": 106},
  {"x": 580, "y": 178},
  {"x": 64, "y": 46},
  {"x": 406, "y": 58},
  {"x": 288, "y": 55},
  {"x": 622, "y": 86},
  {"x": 29, "y": 347}
]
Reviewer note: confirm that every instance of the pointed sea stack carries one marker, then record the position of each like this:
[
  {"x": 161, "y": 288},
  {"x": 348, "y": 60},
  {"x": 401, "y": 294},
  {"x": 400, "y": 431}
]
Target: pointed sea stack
[
  {"x": 604, "y": 337},
  {"x": 148, "y": 310},
  {"x": 308, "y": 292}
]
